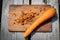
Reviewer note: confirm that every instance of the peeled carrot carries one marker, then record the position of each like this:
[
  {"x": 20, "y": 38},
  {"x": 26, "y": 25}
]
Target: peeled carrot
[{"x": 45, "y": 16}]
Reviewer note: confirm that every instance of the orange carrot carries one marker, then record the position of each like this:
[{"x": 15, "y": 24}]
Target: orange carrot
[{"x": 45, "y": 16}]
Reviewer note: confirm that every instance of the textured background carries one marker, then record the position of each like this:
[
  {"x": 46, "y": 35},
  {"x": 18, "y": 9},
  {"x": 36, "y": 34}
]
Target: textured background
[
  {"x": 0, "y": 15},
  {"x": 0, "y": 8},
  {"x": 17, "y": 34}
]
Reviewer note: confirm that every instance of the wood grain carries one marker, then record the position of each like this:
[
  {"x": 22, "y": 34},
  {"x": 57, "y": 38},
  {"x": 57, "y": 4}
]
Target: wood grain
[
  {"x": 15, "y": 11},
  {"x": 54, "y": 35},
  {"x": 6, "y": 35}
]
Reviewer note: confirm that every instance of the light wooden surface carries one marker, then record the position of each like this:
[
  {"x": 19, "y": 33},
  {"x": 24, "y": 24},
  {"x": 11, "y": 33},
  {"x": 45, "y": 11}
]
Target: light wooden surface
[
  {"x": 6, "y": 35},
  {"x": 45, "y": 27}
]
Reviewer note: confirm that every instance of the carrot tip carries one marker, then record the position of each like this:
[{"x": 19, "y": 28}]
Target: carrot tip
[{"x": 24, "y": 36}]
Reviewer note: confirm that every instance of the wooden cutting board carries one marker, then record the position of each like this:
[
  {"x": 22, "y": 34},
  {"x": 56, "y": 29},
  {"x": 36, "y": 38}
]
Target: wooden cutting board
[{"x": 15, "y": 12}]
